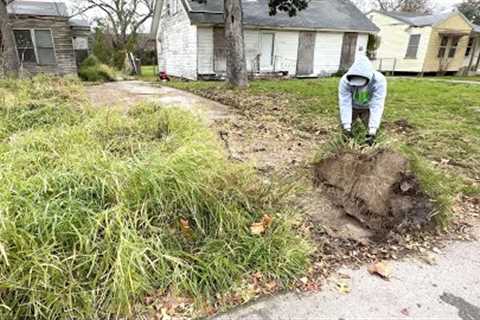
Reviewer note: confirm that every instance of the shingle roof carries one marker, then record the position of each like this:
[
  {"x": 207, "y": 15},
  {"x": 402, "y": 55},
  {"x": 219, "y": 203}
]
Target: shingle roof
[
  {"x": 320, "y": 14},
  {"x": 79, "y": 23},
  {"x": 417, "y": 19},
  {"x": 38, "y": 8}
]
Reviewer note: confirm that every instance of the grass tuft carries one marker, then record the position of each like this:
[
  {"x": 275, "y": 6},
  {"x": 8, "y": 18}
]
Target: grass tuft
[{"x": 94, "y": 206}]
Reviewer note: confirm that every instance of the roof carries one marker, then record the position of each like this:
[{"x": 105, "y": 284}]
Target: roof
[
  {"x": 476, "y": 28},
  {"x": 38, "y": 8},
  {"x": 417, "y": 19},
  {"x": 339, "y": 15},
  {"x": 44, "y": 8}
]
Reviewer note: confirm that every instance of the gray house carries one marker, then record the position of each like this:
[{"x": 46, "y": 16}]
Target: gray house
[
  {"x": 320, "y": 40},
  {"x": 47, "y": 40}
]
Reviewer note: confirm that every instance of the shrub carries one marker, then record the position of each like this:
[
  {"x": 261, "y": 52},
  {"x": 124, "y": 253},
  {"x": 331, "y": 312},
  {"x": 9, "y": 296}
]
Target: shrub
[
  {"x": 93, "y": 70},
  {"x": 99, "y": 211}
]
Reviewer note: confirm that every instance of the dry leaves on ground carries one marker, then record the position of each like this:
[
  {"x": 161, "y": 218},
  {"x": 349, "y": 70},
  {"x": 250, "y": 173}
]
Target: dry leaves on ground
[
  {"x": 381, "y": 269},
  {"x": 258, "y": 228}
]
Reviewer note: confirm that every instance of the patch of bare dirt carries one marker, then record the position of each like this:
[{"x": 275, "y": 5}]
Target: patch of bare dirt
[{"x": 376, "y": 189}]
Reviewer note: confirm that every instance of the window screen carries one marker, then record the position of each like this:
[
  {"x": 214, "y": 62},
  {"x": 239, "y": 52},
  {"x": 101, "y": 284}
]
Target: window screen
[
  {"x": 24, "y": 43},
  {"x": 413, "y": 44},
  {"x": 45, "y": 49}
]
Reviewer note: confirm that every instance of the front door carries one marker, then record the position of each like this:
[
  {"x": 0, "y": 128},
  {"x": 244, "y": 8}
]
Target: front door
[
  {"x": 349, "y": 49},
  {"x": 306, "y": 52},
  {"x": 266, "y": 51}
]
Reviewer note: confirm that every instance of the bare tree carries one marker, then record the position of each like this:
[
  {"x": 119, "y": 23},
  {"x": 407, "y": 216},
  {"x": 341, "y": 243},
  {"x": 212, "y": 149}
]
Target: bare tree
[
  {"x": 9, "y": 63},
  {"x": 421, "y": 6},
  {"x": 124, "y": 18},
  {"x": 471, "y": 10}
]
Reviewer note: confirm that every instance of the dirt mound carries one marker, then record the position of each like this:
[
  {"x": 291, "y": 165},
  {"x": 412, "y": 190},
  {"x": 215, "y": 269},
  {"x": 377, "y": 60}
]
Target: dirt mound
[{"x": 376, "y": 189}]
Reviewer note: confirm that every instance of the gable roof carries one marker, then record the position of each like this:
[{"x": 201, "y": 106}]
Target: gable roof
[
  {"x": 416, "y": 19},
  {"x": 339, "y": 15}
]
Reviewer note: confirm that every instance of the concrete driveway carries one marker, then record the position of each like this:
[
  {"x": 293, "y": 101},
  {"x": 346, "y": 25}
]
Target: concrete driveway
[{"x": 447, "y": 290}]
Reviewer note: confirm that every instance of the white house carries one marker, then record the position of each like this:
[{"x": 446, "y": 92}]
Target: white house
[
  {"x": 320, "y": 40},
  {"x": 420, "y": 43}
]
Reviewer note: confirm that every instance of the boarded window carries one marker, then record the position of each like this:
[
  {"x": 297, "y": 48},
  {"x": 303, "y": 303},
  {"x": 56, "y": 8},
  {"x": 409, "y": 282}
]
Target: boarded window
[
  {"x": 453, "y": 47},
  {"x": 413, "y": 44},
  {"x": 24, "y": 43},
  {"x": 45, "y": 49},
  {"x": 471, "y": 41},
  {"x": 443, "y": 47}
]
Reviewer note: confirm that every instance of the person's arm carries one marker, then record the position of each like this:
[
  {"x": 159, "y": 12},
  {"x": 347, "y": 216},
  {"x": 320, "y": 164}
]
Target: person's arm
[
  {"x": 377, "y": 105},
  {"x": 345, "y": 104}
]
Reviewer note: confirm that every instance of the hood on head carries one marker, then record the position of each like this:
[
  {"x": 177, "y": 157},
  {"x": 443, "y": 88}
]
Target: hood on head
[{"x": 362, "y": 67}]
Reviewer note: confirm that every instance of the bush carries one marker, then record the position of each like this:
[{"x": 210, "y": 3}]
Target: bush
[
  {"x": 99, "y": 210},
  {"x": 93, "y": 70}
]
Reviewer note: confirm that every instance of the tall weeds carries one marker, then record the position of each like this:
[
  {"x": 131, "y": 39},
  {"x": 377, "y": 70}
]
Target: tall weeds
[{"x": 98, "y": 209}]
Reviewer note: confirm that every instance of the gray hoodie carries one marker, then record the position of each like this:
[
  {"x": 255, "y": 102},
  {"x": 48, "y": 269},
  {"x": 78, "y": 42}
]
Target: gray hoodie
[{"x": 371, "y": 96}]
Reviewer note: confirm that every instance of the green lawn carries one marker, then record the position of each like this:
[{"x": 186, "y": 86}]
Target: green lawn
[
  {"x": 148, "y": 73},
  {"x": 442, "y": 119}
]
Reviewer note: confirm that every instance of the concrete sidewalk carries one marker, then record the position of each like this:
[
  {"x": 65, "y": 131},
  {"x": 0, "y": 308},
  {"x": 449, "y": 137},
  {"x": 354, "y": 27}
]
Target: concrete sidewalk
[{"x": 447, "y": 290}]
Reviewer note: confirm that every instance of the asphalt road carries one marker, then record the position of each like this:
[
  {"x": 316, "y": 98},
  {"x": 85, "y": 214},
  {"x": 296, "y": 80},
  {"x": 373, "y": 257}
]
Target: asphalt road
[{"x": 448, "y": 289}]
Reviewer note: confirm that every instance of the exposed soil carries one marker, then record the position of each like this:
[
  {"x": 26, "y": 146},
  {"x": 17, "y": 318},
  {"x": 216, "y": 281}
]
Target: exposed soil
[{"x": 376, "y": 189}]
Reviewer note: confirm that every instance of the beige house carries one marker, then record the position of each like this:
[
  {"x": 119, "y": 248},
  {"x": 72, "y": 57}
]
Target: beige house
[{"x": 419, "y": 43}]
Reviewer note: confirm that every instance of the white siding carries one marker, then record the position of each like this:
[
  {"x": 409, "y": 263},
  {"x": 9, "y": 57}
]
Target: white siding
[
  {"x": 205, "y": 50},
  {"x": 394, "y": 43},
  {"x": 178, "y": 44},
  {"x": 286, "y": 49},
  {"x": 328, "y": 50}
]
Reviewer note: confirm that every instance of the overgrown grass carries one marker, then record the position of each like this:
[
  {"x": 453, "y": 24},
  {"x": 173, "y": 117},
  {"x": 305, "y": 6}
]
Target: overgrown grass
[
  {"x": 442, "y": 120},
  {"x": 99, "y": 209}
]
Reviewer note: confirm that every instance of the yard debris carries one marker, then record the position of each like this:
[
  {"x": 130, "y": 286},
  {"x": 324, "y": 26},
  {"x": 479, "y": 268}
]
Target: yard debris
[
  {"x": 343, "y": 287},
  {"x": 258, "y": 228},
  {"x": 380, "y": 268}
]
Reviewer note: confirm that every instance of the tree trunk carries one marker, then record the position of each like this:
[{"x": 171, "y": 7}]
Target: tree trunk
[
  {"x": 7, "y": 43},
  {"x": 235, "y": 50}
]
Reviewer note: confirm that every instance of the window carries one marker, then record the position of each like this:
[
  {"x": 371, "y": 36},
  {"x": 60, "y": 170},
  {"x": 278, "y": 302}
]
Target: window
[
  {"x": 412, "y": 48},
  {"x": 453, "y": 47},
  {"x": 44, "y": 44},
  {"x": 24, "y": 43},
  {"x": 35, "y": 46},
  {"x": 443, "y": 47},
  {"x": 471, "y": 41}
]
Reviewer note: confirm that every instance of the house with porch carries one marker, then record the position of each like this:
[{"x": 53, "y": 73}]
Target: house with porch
[
  {"x": 419, "y": 43},
  {"x": 47, "y": 39},
  {"x": 321, "y": 40}
]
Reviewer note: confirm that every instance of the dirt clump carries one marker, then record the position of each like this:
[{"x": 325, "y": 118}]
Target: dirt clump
[{"x": 377, "y": 189}]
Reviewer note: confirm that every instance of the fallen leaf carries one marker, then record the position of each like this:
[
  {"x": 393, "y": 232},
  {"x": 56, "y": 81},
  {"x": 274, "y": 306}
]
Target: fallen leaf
[
  {"x": 185, "y": 228},
  {"x": 260, "y": 227},
  {"x": 405, "y": 312},
  {"x": 304, "y": 280},
  {"x": 343, "y": 287},
  {"x": 381, "y": 269}
]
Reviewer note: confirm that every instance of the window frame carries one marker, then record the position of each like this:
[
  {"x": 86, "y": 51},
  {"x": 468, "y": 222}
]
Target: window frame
[
  {"x": 443, "y": 47},
  {"x": 34, "y": 43},
  {"x": 409, "y": 45},
  {"x": 453, "y": 48}
]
